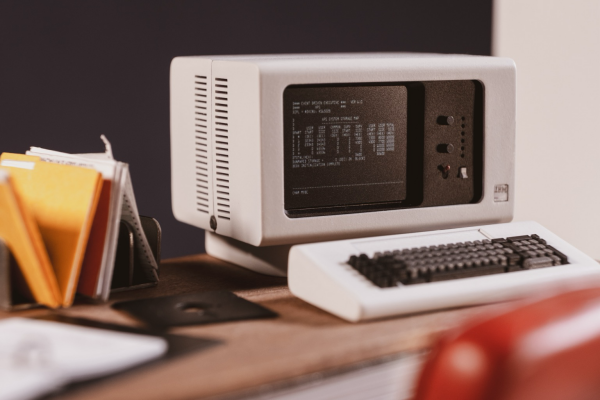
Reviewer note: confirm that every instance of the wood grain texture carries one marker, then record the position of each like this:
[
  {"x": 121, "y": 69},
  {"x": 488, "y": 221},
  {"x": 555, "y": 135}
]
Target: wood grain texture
[{"x": 255, "y": 353}]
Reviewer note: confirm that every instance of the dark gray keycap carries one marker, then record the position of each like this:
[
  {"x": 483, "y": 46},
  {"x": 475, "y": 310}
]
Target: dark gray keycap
[
  {"x": 538, "y": 262},
  {"x": 555, "y": 259}
]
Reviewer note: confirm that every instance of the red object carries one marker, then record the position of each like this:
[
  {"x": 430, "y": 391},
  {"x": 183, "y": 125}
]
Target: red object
[
  {"x": 92, "y": 261},
  {"x": 547, "y": 350}
]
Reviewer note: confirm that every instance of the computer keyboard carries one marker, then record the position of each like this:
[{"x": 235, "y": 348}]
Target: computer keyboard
[
  {"x": 389, "y": 275},
  {"x": 457, "y": 260}
]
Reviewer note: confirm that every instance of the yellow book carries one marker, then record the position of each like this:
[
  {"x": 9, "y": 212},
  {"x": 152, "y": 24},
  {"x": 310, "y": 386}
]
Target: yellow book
[
  {"x": 62, "y": 200},
  {"x": 22, "y": 236}
]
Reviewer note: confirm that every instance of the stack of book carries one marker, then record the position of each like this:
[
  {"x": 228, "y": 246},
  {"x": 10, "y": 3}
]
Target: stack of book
[{"x": 60, "y": 216}]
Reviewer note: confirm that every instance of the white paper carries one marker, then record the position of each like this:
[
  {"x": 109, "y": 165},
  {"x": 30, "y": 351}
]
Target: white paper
[{"x": 37, "y": 357}]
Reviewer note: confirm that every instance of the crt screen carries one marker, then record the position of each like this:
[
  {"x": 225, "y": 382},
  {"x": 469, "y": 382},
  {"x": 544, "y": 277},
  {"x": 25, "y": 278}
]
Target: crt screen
[{"x": 344, "y": 145}]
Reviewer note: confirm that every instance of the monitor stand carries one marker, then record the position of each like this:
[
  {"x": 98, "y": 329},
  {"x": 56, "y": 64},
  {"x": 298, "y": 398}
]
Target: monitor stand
[{"x": 269, "y": 260}]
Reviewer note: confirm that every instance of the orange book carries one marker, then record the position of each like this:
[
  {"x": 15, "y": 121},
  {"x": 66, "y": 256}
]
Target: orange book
[
  {"x": 63, "y": 201},
  {"x": 22, "y": 236}
]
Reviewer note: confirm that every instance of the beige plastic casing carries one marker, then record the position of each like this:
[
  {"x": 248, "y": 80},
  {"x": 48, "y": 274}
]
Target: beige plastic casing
[{"x": 248, "y": 159}]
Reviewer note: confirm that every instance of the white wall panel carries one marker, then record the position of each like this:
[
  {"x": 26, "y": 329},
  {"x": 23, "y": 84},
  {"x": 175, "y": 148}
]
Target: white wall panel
[{"x": 556, "y": 47}]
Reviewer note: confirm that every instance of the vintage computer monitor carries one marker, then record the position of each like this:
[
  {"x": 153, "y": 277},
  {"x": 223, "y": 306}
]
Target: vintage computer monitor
[{"x": 274, "y": 150}]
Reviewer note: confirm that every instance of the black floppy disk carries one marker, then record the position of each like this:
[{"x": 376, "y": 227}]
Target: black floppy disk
[{"x": 193, "y": 309}]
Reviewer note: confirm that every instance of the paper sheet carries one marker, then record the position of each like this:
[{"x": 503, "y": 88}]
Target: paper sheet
[{"x": 37, "y": 357}]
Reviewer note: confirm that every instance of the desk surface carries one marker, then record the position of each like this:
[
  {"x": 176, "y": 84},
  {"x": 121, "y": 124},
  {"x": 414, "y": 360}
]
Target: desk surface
[{"x": 301, "y": 341}]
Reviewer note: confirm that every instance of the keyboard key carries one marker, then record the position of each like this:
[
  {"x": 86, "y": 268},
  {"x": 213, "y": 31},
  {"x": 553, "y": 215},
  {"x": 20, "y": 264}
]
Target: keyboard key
[
  {"x": 539, "y": 262},
  {"x": 518, "y": 238}
]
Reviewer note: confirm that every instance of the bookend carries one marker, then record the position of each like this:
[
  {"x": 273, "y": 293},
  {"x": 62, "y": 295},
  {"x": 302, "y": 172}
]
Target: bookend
[{"x": 127, "y": 274}]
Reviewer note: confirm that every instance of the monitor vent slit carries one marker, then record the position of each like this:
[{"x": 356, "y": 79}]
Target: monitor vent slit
[
  {"x": 222, "y": 114},
  {"x": 200, "y": 138}
]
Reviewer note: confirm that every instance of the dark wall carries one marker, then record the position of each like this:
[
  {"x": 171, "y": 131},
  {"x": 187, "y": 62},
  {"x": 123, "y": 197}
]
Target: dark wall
[{"x": 73, "y": 70}]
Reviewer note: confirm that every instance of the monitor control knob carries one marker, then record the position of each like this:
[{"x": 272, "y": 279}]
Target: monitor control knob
[
  {"x": 445, "y": 148},
  {"x": 445, "y": 120},
  {"x": 445, "y": 169}
]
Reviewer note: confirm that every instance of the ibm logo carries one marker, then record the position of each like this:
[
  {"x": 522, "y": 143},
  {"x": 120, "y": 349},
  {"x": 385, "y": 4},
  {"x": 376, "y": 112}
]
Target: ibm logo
[{"x": 500, "y": 193}]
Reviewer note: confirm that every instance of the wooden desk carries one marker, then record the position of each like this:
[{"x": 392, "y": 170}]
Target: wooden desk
[{"x": 303, "y": 340}]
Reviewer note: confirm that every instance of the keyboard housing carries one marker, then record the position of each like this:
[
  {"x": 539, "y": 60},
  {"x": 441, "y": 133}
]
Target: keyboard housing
[{"x": 320, "y": 274}]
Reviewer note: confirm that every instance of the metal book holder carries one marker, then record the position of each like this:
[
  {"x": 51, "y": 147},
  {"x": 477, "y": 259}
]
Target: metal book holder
[{"x": 127, "y": 273}]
